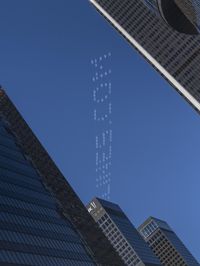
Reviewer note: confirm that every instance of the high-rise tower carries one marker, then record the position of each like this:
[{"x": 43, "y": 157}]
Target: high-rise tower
[
  {"x": 165, "y": 243},
  {"x": 166, "y": 33},
  {"x": 42, "y": 220},
  {"x": 121, "y": 233}
]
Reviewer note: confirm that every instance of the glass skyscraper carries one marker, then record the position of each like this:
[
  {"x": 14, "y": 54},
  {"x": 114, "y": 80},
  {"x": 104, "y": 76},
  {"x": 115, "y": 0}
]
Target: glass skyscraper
[
  {"x": 42, "y": 220},
  {"x": 166, "y": 33},
  {"x": 121, "y": 233},
  {"x": 165, "y": 243}
]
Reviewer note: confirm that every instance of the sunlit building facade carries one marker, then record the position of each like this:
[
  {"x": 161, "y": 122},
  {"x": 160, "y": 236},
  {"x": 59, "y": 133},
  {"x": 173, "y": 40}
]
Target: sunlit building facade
[
  {"x": 166, "y": 33},
  {"x": 121, "y": 233},
  {"x": 166, "y": 244}
]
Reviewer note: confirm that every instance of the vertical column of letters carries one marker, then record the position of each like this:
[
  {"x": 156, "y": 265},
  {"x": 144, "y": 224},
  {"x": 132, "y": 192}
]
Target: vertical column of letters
[{"x": 102, "y": 92}]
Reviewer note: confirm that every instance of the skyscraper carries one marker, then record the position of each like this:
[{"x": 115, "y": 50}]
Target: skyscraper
[
  {"x": 121, "y": 233},
  {"x": 166, "y": 244},
  {"x": 42, "y": 220},
  {"x": 166, "y": 33}
]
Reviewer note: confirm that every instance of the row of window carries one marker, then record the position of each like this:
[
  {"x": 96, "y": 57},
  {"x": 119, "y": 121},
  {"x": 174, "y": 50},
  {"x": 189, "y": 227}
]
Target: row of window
[
  {"x": 10, "y": 174},
  {"x": 39, "y": 241},
  {"x": 33, "y": 215},
  {"x": 35, "y": 224},
  {"x": 3, "y": 130},
  {"x": 23, "y": 204},
  {"x": 20, "y": 182},
  {"x": 17, "y": 166},
  {"x": 149, "y": 229},
  {"x": 27, "y": 193},
  {"x": 29, "y": 259},
  {"x": 10, "y": 143},
  {"x": 39, "y": 233},
  {"x": 11, "y": 153},
  {"x": 28, "y": 199}
]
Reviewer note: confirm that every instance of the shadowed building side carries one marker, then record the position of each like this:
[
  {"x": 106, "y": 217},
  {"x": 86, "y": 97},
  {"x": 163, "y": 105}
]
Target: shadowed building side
[{"x": 60, "y": 200}]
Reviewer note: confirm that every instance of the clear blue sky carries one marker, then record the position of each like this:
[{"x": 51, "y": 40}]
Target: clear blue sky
[{"x": 45, "y": 51}]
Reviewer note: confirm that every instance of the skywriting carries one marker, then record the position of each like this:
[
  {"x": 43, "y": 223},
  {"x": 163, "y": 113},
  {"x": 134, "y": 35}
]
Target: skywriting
[
  {"x": 102, "y": 113},
  {"x": 166, "y": 33}
]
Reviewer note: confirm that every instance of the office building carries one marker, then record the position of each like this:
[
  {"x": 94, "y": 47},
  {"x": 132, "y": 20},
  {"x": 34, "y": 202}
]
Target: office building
[
  {"x": 166, "y": 33},
  {"x": 42, "y": 220},
  {"x": 165, "y": 243},
  {"x": 121, "y": 233}
]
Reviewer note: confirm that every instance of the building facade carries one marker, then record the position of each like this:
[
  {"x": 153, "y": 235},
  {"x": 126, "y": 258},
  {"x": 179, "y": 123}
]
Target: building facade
[
  {"x": 42, "y": 220},
  {"x": 181, "y": 15},
  {"x": 165, "y": 243},
  {"x": 166, "y": 33},
  {"x": 121, "y": 233}
]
